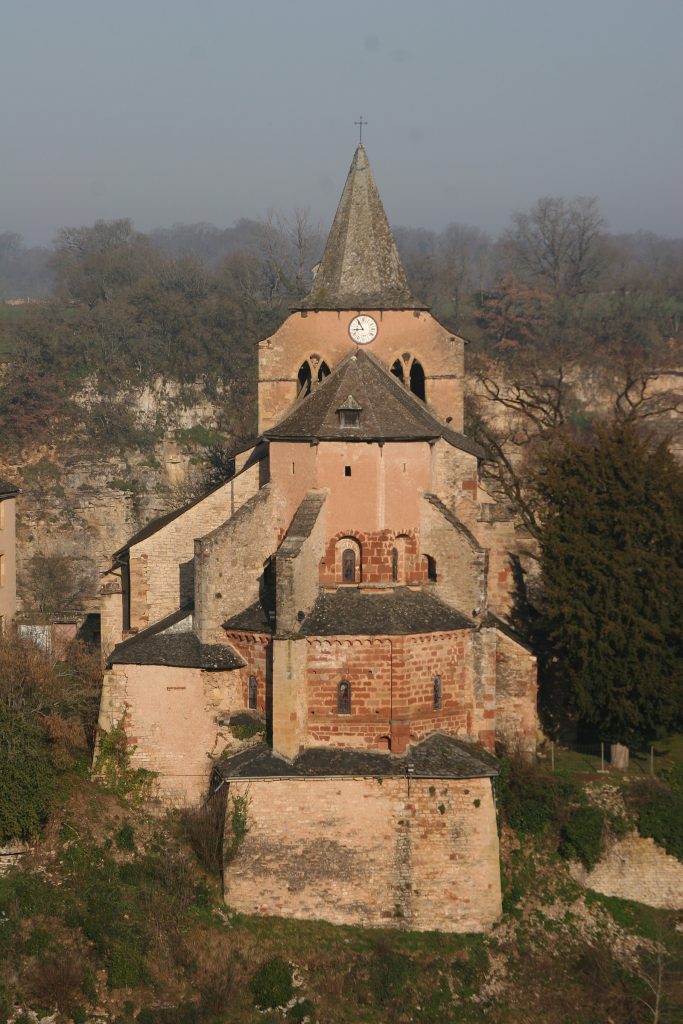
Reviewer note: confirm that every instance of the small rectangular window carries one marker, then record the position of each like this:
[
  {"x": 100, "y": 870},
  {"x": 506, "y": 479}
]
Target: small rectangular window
[
  {"x": 2, "y": 515},
  {"x": 347, "y": 471},
  {"x": 2, "y": 570}
]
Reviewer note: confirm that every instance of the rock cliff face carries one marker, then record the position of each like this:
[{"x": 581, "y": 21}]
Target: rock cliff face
[{"x": 83, "y": 503}]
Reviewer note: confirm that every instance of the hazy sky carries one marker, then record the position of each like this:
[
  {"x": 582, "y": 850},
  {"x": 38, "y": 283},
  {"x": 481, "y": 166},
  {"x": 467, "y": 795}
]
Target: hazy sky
[{"x": 176, "y": 111}]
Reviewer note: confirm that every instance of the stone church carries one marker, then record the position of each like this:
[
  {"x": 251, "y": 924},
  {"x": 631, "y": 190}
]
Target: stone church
[{"x": 349, "y": 585}]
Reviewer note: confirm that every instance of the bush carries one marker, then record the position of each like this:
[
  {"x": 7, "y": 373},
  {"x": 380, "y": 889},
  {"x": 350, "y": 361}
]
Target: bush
[
  {"x": 27, "y": 777},
  {"x": 272, "y": 986},
  {"x": 126, "y": 966},
  {"x": 203, "y": 828},
  {"x": 532, "y": 801},
  {"x": 658, "y": 804},
  {"x": 388, "y": 973},
  {"x": 581, "y": 837}
]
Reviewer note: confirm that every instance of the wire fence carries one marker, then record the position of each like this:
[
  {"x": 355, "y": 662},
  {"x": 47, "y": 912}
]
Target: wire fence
[{"x": 596, "y": 757}]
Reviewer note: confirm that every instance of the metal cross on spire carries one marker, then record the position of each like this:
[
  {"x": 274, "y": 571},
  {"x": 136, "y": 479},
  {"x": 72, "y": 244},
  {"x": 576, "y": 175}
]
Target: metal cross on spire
[{"x": 361, "y": 124}]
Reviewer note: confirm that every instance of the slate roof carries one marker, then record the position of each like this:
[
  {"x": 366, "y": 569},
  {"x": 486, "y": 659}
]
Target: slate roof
[
  {"x": 7, "y": 490},
  {"x": 437, "y": 757},
  {"x": 361, "y": 267},
  {"x": 174, "y": 649},
  {"x": 392, "y": 611},
  {"x": 389, "y": 412},
  {"x": 253, "y": 619}
]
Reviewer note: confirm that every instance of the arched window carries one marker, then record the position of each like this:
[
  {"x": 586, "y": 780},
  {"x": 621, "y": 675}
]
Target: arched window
[
  {"x": 344, "y": 697},
  {"x": 417, "y": 380},
  {"x": 323, "y": 371},
  {"x": 431, "y": 568},
  {"x": 397, "y": 370},
  {"x": 437, "y": 693},
  {"x": 252, "y": 694},
  {"x": 394, "y": 565},
  {"x": 348, "y": 568},
  {"x": 304, "y": 378},
  {"x": 348, "y": 565}
]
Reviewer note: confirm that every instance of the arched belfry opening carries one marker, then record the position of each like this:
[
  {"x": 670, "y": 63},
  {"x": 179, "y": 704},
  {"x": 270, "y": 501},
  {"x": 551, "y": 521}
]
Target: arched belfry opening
[
  {"x": 323, "y": 371},
  {"x": 304, "y": 377},
  {"x": 417, "y": 379},
  {"x": 411, "y": 374}
]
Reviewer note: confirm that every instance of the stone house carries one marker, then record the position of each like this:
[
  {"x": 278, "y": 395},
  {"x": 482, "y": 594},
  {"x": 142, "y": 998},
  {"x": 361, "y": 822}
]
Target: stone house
[{"x": 350, "y": 584}]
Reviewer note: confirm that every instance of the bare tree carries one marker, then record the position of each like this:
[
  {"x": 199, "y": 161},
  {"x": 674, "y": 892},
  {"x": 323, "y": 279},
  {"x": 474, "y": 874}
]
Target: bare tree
[{"x": 558, "y": 243}]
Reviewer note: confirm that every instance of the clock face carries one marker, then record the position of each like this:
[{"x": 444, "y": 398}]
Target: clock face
[{"x": 363, "y": 329}]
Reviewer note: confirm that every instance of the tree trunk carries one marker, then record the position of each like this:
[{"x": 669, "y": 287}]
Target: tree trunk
[{"x": 619, "y": 756}]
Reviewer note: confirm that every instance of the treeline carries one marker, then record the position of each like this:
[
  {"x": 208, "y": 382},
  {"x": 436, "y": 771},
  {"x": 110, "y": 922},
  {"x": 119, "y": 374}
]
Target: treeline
[{"x": 188, "y": 304}]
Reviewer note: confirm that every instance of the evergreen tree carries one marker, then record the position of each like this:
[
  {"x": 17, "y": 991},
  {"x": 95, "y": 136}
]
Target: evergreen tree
[{"x": 612, "y": 577}]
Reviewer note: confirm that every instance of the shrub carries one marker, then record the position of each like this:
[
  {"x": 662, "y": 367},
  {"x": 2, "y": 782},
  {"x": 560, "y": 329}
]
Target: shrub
[
  {"x": 203, "y": 828},
  {"x": 581, "y": 836},
  {"x": 532, "y": 800},
  {"x": 272, "y": 984},
  {"x": 27, "y": 777},
  {"x": 112, "y": 766},
  {"x": 126, "y": 966},
  {"x": 388, "y": 973},
  {"x": 125, "y": 837},
  {"x": 658, "y": 804}
]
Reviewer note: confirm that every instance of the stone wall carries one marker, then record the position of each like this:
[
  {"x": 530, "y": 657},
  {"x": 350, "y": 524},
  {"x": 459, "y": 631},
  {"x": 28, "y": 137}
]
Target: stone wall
[
  {"x": 461, "y": 562},
  {"x": 636, "y": 869},
  {"x": 376, "y": 550},
  {"x": 516, "y": 717},
  {"x": 170, "y": 716},
  {"x": 162, "y": 565},
  {"x": 393, "y": 853},
  {"x": 230, "y": 562}
]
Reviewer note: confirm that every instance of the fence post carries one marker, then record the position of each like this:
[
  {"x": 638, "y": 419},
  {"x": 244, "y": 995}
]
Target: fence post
[
  {"x": 602, "y": 756},
  {"x": 652, "y": 760},
  {"x": 552, "y": 755}
]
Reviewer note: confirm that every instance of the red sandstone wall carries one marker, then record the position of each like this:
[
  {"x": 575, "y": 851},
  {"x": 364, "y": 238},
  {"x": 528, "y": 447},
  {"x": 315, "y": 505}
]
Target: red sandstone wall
[
  {"x": 377, "y": 853},
  {"x": 392, "y": 680}
]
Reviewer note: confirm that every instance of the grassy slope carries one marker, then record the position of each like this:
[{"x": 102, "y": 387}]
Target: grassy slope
[{"x": 113, "y": 913}]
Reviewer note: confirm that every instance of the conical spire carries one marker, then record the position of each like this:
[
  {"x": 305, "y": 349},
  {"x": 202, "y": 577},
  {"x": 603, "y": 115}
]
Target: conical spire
[{"x": 361, "y": 268}]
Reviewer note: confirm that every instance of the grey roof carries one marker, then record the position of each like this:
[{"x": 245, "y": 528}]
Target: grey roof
[
  {"x": 7, "y": 490},
  {"x": 392, "y": 611},
  {"x": 361, "y": 267},
  {"x": 389, "y": 412},
  {"x": 177, "y": 650},
  {"x": 437, "y": 757},
  {"x": 253, "y": 619}
]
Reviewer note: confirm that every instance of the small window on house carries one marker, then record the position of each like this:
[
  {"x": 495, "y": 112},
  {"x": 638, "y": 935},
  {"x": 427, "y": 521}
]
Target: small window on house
[
  {"x": 344, "y": 697},
  {"x": 349, "y": 566},
  {"x": 348, "y": 414},
  {"x": 394, "y": 565},
  {"x": 347, "y": 471},
  {"x": 431, "y": 568},
  {"x": 438, "y": 693},
  {"x": 253, "y": 691}
]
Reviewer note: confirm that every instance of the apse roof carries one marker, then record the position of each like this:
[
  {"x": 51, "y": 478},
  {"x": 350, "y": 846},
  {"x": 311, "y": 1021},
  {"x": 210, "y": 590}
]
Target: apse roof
[
  {"x": 361, "y": 267},
  {"x": 437, "y": 757},
  {"x": 392, "y": 611},
  {"x": 388, "y": 411}
]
